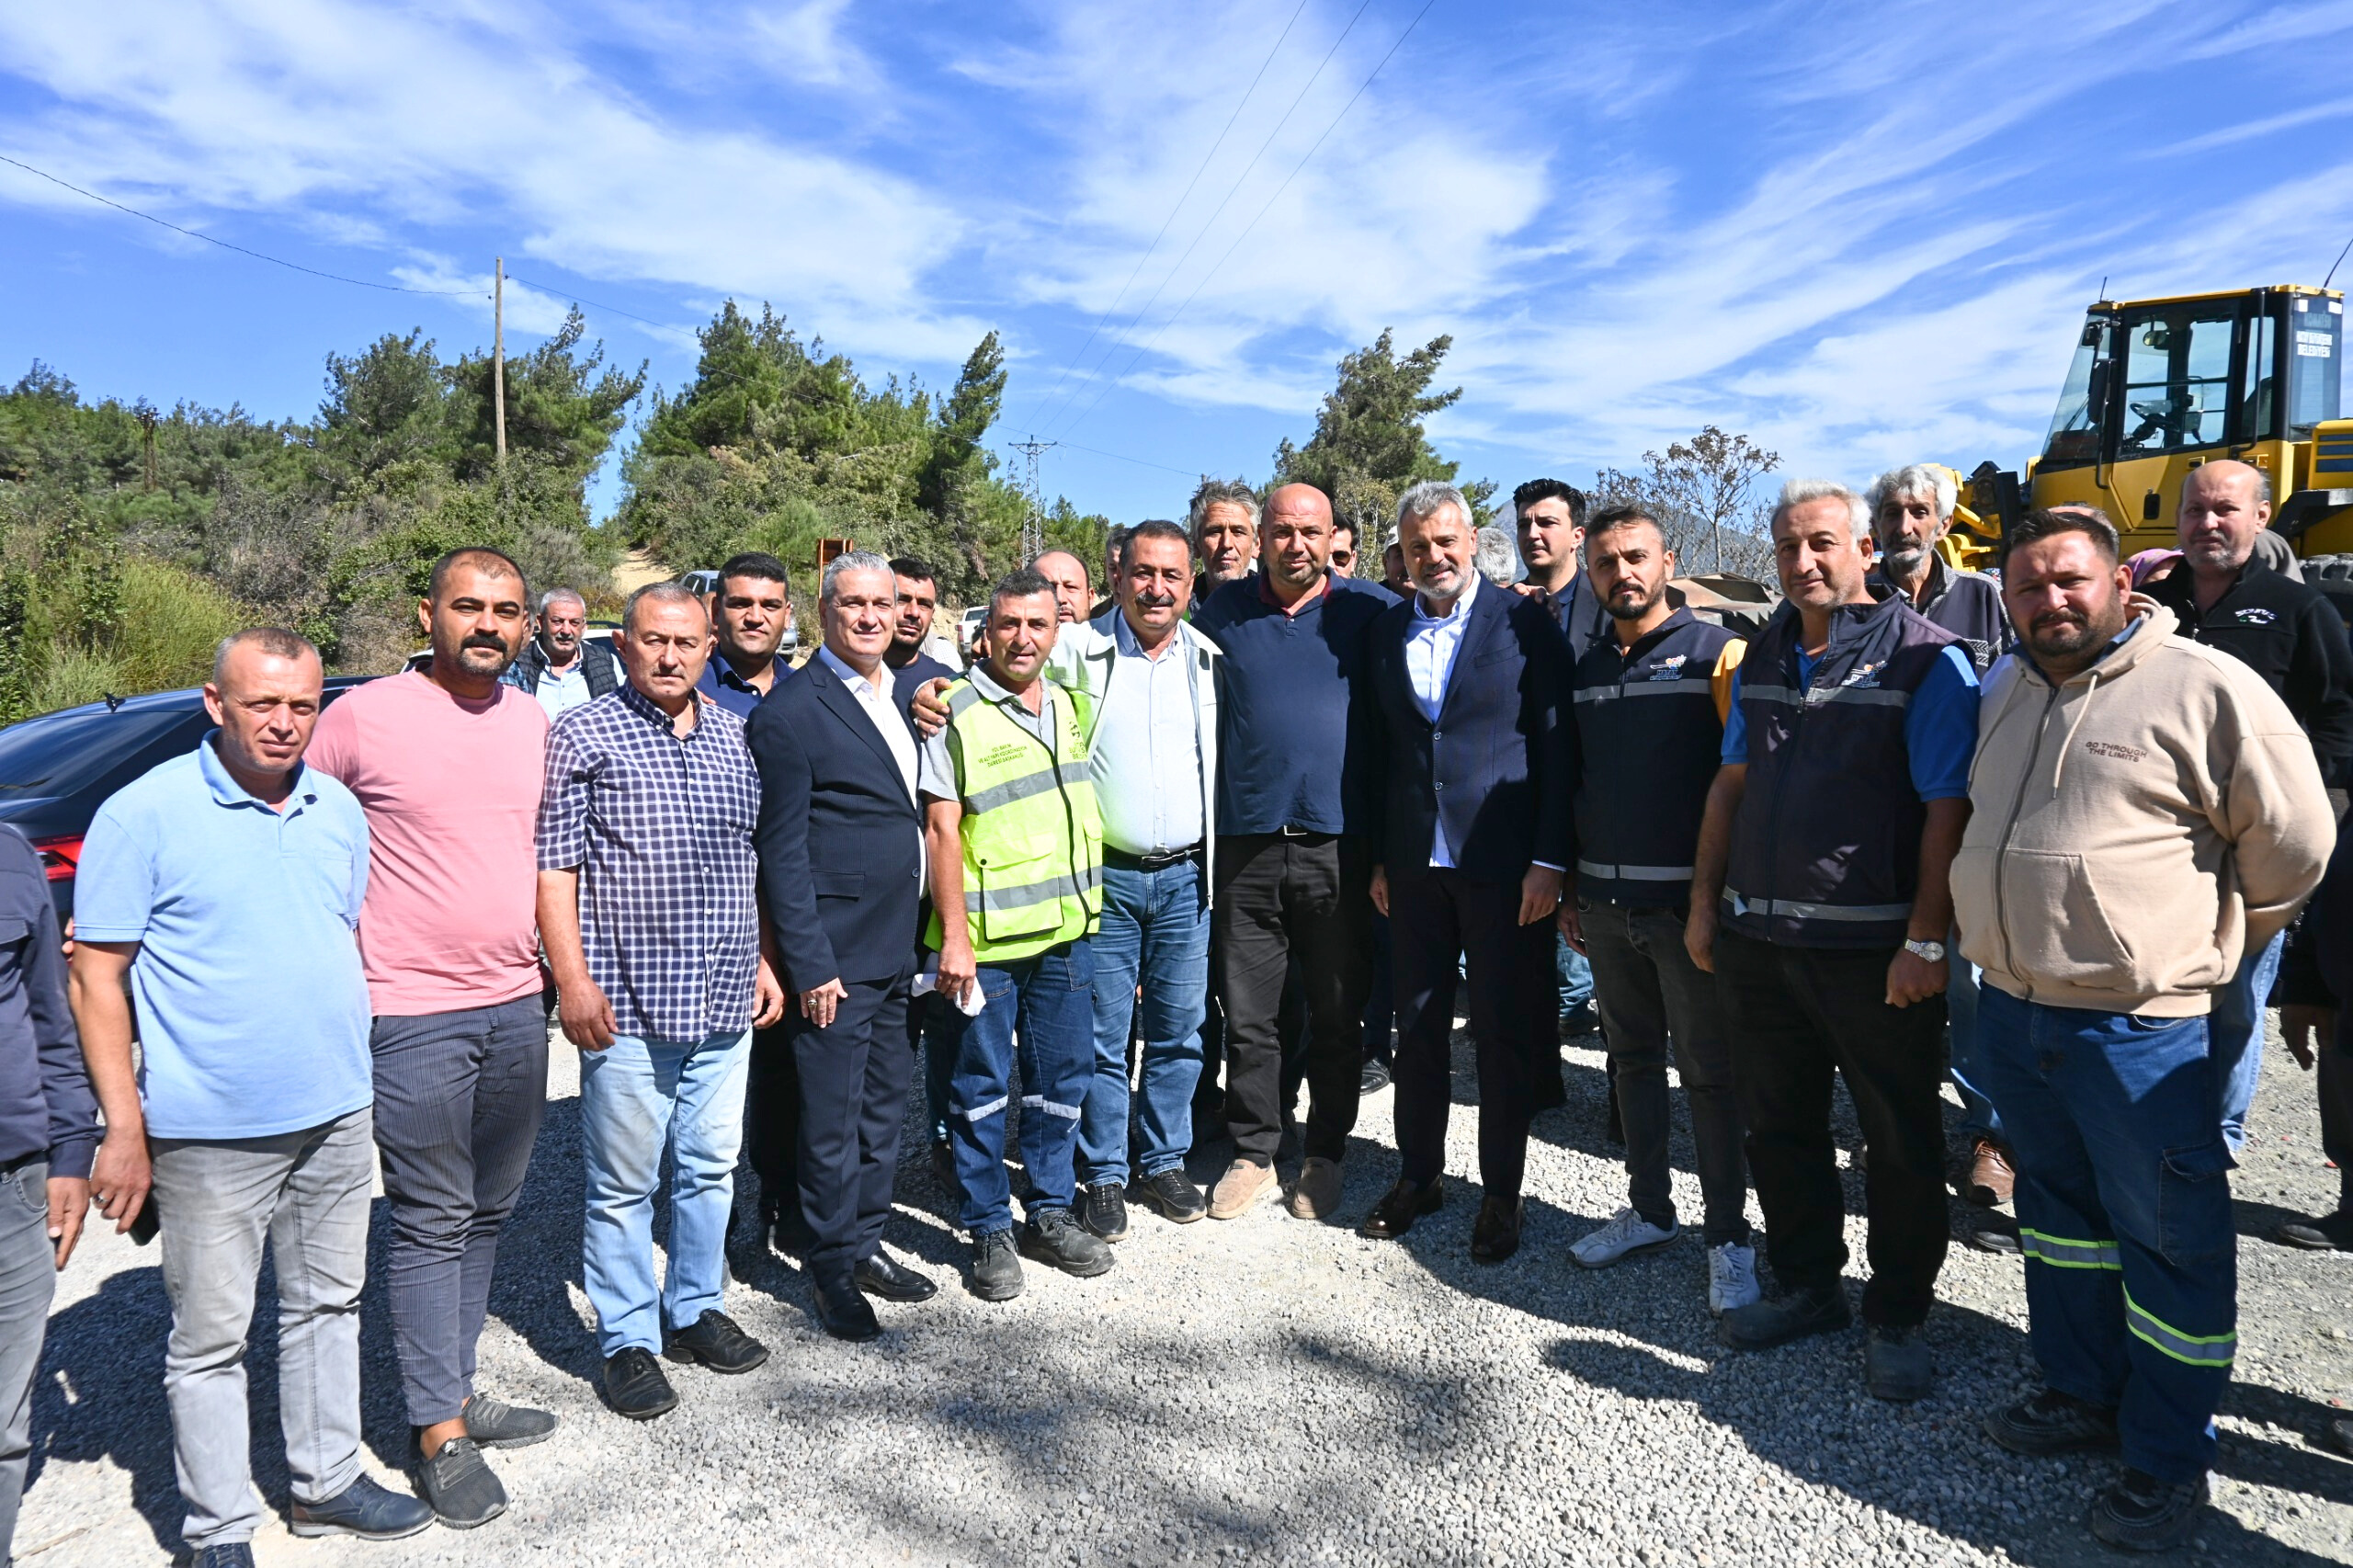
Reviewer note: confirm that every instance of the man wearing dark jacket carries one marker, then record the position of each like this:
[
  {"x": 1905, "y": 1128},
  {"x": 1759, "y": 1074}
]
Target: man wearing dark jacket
[
  {"x": 1467, "y": 768},
  {"x": 2294, "y": 639},
  {"x": 841, "y": 876},
  {"x": 48, "y": 1129},
  {"x": 560, "y": 666}
]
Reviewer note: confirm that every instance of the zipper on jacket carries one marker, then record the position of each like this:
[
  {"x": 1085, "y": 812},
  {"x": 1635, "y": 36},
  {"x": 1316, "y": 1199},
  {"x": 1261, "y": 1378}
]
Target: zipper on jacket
[{"x": 2009, "y": 828}]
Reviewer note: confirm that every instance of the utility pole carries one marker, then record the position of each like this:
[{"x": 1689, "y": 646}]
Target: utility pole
[
  {"x": 498, "y": 353},
  {"x": 145, "y": 411},
  {"x": 1033, "y": 532}
]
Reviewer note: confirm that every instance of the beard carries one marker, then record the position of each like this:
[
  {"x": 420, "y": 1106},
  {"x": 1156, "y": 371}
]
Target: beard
[
  {"x": 470, "y": 655},
  {"x": 1633, "y": 608},
  {"x": 1905, "y": 561},
  {"x": 2064, "y": 634}
]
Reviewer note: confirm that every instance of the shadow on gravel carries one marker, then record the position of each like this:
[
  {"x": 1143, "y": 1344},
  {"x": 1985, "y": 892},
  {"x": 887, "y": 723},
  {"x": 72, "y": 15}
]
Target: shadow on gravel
[
  {"x": 100, "y": 1395},
  {"x": 2295, "y": 1465},
  {"x": 1889, "y": 1457}
]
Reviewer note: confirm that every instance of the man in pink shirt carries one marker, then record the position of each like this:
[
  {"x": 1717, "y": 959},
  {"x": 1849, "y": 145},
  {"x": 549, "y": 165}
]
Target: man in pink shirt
[{"x": 447, "y": 763}]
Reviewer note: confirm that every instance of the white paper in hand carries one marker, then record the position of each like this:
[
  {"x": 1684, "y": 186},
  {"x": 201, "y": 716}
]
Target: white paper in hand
[{"x": 928, "y": 981}]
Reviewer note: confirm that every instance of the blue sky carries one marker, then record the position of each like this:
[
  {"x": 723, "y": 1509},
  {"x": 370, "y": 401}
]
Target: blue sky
[{"x": 1862, "y": 234}]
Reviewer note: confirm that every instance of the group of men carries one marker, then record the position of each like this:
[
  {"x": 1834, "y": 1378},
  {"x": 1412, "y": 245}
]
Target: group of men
[{"x": 1139, "y": 839}]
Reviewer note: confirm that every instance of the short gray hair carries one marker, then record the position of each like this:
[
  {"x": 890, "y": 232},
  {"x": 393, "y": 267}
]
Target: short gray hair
[
  {"x": 275, "y": 641},
  {"x": 1798, "y": 491},
  {"x": 1498, "y": 556},
  {"x": 567, "y": 596},
  {"x": 1422, "y": 501},
  {"x": 1930, "y": 481},
  {"x": 660, "y": 594},
  {"x": 1221, "y": 492},
  {"x": 851, "y": 561}
]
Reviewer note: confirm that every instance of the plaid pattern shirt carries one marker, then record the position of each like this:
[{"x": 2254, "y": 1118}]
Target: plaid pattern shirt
[{"x": 660, "y": 827}]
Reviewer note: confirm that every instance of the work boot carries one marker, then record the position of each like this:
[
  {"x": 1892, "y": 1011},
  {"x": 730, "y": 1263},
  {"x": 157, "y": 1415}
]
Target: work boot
[
  {"x": 1760, "y": 1325},
  {"x": 1317, "y": 1194},
  {"x": 997, "y": 1267},
  {"x": 1053, "y": 1237},
  {"x": 1990, "y": 1180},
  {"x": 2140, "y": 1513},
  {"x": 1896, "y": 1365},
  {"x": 1239, "y": 1189},
  {"x": 2053, "y": 1423}
]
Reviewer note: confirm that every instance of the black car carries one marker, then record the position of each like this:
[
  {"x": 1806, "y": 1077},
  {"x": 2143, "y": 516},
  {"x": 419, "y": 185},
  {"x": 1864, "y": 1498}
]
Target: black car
[{"x": 58, "y": 769}]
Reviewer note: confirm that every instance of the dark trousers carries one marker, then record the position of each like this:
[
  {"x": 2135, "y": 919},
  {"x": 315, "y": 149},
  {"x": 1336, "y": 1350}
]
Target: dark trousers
[
  {"x": 28, "y": 1286},
  {"x": 1437, "y": 917},
  {"x": 1649, "y": 993},
  {"x": 2334, "y": 1057},
  {"x": 1798, "y": 1016},
  {"x": 1277, "y": 897},
  {"x": 458, "y": 1097},
  {"x": 854, "y": 1076}
]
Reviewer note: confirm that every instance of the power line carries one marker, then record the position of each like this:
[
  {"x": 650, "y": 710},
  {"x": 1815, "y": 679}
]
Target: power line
[
  {"x": 240, "y": 250},
  {"x": 1305, "y": 88},
  {"x": 583, "y": 300},
  {"x": 1117, "y": 299},
  {"x": 1145, "y": 347},
  {"x": 1119, "y": 457}
]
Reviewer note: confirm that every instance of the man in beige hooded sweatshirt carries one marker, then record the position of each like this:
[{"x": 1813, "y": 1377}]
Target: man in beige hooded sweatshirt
[{"x": 2147, "y": 812}]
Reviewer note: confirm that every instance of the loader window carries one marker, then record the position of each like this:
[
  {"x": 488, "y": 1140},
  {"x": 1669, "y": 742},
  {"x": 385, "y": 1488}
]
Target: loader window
[
  {"x": 2315, "y": 364},
  {"x": 2074, "y": 427},
  {"x": 2177, "y": 380}
]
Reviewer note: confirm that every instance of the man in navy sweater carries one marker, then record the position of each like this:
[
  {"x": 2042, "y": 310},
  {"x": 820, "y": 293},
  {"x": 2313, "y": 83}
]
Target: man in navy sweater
[{"x": 1293, "y": 869}]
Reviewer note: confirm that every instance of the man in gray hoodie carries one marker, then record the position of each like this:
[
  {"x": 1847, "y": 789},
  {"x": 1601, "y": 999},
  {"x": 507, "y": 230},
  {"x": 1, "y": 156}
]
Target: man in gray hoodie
[{"x": 2146, "y": 813}]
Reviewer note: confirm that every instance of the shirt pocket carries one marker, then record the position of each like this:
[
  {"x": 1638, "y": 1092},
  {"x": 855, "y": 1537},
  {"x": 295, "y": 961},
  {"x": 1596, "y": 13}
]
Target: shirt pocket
[
  {"x": 2058, "y": 927},
  {"x": 1020, "y": 895}
]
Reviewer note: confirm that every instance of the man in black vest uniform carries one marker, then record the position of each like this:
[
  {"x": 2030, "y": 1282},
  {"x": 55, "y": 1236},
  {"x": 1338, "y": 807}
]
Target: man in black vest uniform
[
  {"x": 841, "y": 877},
  {"x": 1820, "y": 898},
  {"x": 1645, "y": 730},
  {"x": 1463, "y": 786}
]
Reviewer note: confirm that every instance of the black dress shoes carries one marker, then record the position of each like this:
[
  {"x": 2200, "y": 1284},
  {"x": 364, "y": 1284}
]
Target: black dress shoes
[
  {"x": 885, "y": 1280},
  {"x": 843, "y": 1310},
  {"x": 1495, "y": 1234},
  {"x": 635, "y": 1387},
  {"x": 1405, "y": 1203}
]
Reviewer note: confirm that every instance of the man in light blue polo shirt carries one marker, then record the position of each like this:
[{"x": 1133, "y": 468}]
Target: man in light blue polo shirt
[{"x": 225, "y": 886}]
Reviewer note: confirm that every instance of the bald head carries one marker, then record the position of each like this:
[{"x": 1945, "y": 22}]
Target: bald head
[
  {"x": 1067, "y": 572},
  {"x": 2224, "y": 505},
  {"x": 1297, "y": 537}
]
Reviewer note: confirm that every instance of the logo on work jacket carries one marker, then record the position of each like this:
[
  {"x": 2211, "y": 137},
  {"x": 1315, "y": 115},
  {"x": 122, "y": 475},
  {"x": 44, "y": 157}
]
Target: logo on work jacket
[
  {"x": 1864, "y": 675},
  {"x": 2256, "y": 617},
  {"x": 1004, "y": 756},
  {"x": 2111, "y": 748},
  {"x": 1669, "y": 668}
]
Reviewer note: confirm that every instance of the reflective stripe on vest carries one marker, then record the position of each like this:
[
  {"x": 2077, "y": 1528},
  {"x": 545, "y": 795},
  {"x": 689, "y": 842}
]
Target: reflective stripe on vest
[
  {"x": 2193, "y": 1349},
  {"x": 1679, "y": 686},
  {"x": 1815, "y": 697},
  {"x": 2064, "y": 1252},
  {"x": 1797, "y": 909},
  {"x": 1032, "y": 838},
  {"x": 1634, "y": 873}
]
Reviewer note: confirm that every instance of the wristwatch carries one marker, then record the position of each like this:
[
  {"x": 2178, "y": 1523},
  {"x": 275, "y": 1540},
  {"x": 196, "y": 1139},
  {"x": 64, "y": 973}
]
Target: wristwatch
[{"x": 1934, "y": 952}]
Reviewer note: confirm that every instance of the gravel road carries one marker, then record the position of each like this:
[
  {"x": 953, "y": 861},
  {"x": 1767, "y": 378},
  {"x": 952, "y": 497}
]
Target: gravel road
[{"x": 1259, "y": 1390}]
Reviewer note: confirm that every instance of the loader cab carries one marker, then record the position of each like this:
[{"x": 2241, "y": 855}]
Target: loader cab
[{"x": 2160, "y": 386}]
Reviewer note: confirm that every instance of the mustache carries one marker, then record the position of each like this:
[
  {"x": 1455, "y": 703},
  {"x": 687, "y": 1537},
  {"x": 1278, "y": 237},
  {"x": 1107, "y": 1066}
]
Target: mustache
[
  {"x": 486, "y": 640},
  {"x": 1156, "y": 600}
]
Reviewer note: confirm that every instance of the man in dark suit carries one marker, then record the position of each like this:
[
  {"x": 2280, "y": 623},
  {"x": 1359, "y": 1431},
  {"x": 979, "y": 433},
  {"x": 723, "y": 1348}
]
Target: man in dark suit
[
  {"x": 841, "y": 878},
  {"x": 1466, "y": 789}
]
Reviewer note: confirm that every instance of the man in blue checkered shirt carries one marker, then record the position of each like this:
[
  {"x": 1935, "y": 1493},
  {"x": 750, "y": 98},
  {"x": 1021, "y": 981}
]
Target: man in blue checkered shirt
[{"x": 649, "y": 915}]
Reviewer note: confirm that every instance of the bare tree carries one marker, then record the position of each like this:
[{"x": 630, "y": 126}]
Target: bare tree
[{"x": 1709, "y": 477}]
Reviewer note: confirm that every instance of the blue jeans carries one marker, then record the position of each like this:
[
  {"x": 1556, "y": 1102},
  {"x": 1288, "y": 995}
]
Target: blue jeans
[
  {"x": 1049, "y": 1002},
  {"x": 1157, "y": 929},
  {"x": 2124, "y": 1210},
  {"x": 1978, "y": 1117},
  {"x": 2237, "y": 1021},
  {"x": 1573, "y": 974},
  {"x": 635, "y": 1096}
]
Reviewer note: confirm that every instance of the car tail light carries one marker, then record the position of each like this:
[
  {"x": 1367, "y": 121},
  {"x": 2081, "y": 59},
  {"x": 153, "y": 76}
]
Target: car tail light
[{"x": 60, "y": 856}]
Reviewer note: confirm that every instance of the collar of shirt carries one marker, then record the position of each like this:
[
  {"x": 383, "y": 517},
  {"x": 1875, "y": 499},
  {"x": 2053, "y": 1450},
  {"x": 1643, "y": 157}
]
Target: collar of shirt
[
  {"x": 653, "y": 713},
  {"x": 1462, "y": 605},
  {"x": 229, "y": 792},
  {"x": 880, "y": 687},
  {"x": 986, "y": 684},
  {"x": 1313, "y": 594},
  {"x": 1131, "y": 646}
]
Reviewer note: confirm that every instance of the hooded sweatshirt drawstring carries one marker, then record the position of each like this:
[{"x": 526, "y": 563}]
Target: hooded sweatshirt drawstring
[{"x": 2060, "y": 772}]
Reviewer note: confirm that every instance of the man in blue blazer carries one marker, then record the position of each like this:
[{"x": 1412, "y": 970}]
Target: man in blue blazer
[
  {"x": 841, "y": 879},
  {"x": 1465, "y": 784}
]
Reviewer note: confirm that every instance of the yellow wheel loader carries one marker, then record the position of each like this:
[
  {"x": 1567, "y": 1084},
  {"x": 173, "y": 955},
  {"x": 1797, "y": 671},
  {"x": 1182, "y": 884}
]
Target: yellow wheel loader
[{"x": 2160, "y": 386}]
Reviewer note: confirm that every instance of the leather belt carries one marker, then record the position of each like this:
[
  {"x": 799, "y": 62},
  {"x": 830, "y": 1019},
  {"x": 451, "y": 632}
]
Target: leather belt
[{"x": 1158, "y": 860}]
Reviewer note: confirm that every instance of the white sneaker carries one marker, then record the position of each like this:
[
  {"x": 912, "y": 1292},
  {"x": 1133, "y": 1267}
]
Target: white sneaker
[
  {"x": 1731, "y": 1277},
  {"x": 1626, "y": 1232}
]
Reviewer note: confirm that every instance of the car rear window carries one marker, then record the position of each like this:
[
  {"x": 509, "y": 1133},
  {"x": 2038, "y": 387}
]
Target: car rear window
[{"x": 58, "y": 754}]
